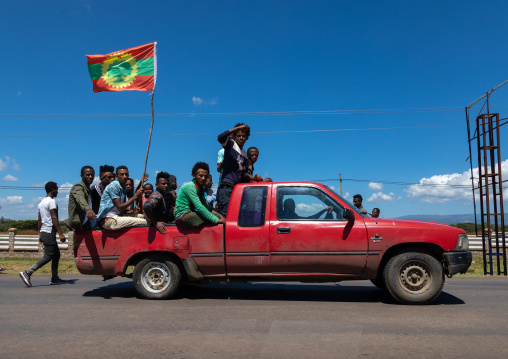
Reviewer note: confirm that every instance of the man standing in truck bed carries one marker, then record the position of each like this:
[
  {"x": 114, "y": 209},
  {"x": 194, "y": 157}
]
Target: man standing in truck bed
[{"x": 235, "y": 164}]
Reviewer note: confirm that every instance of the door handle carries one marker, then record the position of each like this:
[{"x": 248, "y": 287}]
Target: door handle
[{"x": 283, "y": 230}]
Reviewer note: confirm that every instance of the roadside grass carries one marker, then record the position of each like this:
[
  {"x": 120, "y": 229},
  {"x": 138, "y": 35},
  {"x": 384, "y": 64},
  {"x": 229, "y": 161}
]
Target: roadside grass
[
  {"x": 476, "y": 269},
  {"x": 66, "y": 266},
  {"x": 16, "y": 265}
]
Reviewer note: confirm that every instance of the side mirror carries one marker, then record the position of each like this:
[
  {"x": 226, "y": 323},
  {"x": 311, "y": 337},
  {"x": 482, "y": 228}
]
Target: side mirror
[{"x": 349, "y": 215}]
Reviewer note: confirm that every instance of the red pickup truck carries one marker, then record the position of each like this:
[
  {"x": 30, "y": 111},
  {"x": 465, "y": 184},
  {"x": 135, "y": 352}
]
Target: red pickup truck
[{"x": 282, "y": 232}]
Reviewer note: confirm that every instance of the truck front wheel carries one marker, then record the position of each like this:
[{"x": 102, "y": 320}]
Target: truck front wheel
[
  {"x": 156, "y": 277},
  {"x": 414, "y": 277}
]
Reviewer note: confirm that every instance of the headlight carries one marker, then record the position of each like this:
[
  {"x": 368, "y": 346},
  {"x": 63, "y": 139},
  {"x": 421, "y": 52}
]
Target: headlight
[{"x": 462, "y": 242}]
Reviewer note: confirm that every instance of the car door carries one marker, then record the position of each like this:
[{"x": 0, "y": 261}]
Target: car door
[
  {"x": 247, "y": 231},
  {"x": 313, "y": 237}
]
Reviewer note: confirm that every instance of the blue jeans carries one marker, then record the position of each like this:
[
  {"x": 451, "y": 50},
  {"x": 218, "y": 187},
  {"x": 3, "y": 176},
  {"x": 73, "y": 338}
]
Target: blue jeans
[{"x": 223, "y": 197}]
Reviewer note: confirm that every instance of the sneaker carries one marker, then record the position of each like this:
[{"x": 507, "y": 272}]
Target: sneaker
[
  {"x": 57, "y": 280},
  {"x": 26, "y": 278}
]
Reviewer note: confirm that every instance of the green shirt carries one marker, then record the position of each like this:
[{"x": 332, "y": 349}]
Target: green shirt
[{"x": 192, "y": 198}]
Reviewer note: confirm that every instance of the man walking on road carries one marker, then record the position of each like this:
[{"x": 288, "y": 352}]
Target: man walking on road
[{"x": 48, "y": 228}]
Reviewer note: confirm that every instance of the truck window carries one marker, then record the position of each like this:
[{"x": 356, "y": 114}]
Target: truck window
[
  {"x": 253, "y": 207},
  {"x": 306, "y": 203}
]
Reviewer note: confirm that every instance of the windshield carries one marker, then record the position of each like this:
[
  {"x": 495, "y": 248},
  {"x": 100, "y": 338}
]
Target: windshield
[{"x": 352, "y": 206}]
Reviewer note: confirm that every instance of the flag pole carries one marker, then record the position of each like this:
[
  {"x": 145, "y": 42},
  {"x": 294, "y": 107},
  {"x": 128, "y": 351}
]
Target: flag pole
[
  {"x": 153, "y": 92},
  {"x": 149, "y": 141}
]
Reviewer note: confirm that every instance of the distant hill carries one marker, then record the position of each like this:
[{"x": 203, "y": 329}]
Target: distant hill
[{"x": 445, "y": 219}]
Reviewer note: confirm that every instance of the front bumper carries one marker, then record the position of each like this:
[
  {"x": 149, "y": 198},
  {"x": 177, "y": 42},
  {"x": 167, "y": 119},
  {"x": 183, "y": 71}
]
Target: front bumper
[{"x": 456, "y": 262}]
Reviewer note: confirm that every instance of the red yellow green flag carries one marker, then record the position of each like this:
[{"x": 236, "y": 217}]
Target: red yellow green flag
[{"x": 130, "y": 69}]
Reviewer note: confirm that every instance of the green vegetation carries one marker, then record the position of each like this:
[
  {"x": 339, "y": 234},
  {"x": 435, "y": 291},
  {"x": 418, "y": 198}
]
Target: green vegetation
[
  {"x": 16, "y": 265},
  {"x": 470, "y": 228},
  {"x": 476, "y": 269},
  {"x": 27, "y": 226}
]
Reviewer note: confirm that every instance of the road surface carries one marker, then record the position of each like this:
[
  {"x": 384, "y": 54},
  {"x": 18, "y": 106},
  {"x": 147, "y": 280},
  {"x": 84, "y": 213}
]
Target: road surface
[{"x": 88, "y": 318}]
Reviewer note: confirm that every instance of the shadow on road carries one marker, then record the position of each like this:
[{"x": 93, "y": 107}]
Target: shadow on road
[
  {"x": 272, "y": 292},
  {"x": 67, "y": 281},
  {"x": 299, "y": 292},
  {"x": 118, "y": 290}
]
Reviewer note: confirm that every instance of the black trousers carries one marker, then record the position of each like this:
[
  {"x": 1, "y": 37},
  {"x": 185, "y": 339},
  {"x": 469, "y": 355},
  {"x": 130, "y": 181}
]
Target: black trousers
[{"x": 51, "y": 253}]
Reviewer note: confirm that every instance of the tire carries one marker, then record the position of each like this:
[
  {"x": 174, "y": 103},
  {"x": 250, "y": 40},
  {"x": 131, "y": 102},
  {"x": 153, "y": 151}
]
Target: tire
[
  {"x": 414, "y": 277},
  {"x": 379, "y": 282},
  {"x": 156, "y": 277}
]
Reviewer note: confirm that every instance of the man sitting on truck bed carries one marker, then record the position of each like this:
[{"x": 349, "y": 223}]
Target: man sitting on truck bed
[
  {"x": 191, "y": 209},
  {"x": 106, "y": 176},
  {"x": 111, "y": 203},
  {"x": 155, "y": 206},
  {"x": 80, "y": 213}
]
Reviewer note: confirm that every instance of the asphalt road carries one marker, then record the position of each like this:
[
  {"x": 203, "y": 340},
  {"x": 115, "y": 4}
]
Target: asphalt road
[{"x": 89, "y": 318}]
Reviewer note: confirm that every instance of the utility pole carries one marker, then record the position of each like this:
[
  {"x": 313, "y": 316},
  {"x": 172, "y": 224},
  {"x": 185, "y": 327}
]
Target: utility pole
[{"x": 340, "y": 177}]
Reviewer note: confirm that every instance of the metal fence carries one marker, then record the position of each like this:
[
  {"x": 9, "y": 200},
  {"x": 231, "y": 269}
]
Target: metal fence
[{"x": 13, "y": 245}]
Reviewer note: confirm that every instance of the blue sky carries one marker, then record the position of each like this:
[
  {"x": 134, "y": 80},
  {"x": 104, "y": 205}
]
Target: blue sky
[{"x": 255, "y": 58}]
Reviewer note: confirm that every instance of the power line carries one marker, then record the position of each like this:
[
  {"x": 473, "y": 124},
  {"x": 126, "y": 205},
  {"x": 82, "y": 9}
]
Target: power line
[
  {"x": 392, "y": 182},
  {"x": 253, "y": 113},
  {"x": 214, "y": 133},
  {"x": 312, "y": 180}
]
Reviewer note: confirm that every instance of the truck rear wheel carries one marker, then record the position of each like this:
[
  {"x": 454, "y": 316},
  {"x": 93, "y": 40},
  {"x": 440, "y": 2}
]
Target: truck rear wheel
[
  {"x": 156, "y": 277},
  {"x": 414, "y": 277}
]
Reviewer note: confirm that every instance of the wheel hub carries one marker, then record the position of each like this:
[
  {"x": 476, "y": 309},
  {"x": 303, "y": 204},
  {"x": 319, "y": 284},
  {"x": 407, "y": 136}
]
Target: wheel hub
[
  {"x": 415, "y": 276},
  {"x": 156, "y": 277}
]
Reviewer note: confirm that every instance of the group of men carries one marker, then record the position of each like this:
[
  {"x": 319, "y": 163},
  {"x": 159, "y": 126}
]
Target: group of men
[{"x": 109, "y": 204}]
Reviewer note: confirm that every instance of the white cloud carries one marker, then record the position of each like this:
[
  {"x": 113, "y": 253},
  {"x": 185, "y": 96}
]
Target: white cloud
[
  {"x": 3, "y": 164},
  {"x": 15, "y": 165},
  {"x": 11, "y": 178},
  {"x": 449, "y": 187},
  {"x": 383, "y": 197},
  {"x": 7, "y": 163},
  {"x": 12, "y": 200},
  {"x": 65, "y": 188},
  {"x": 303, "y": 209},
  {"x": 39, "y": 185},
  {"x": 198, "y": 101},
  {"x": 375, "y": 186}
]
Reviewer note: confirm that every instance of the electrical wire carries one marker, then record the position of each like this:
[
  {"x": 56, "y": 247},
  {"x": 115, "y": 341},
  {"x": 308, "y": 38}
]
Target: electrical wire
[
  {"x": 213, "y": 133},
  {"x": 253, "y": 113},
  {"x": 312, "y": 180}
]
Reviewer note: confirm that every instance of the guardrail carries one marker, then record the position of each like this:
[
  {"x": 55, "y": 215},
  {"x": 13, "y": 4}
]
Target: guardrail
[
  {"x": 28, "y": 246},
  {"x": 476, "y": 244}
]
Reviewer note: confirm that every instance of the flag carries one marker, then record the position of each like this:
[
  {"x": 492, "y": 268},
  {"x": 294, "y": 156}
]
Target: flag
[{"x": 130, "y": 69}]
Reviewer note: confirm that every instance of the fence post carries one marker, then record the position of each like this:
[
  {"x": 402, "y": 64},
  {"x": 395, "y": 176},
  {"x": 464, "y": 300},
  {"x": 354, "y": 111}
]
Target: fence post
[
  {"x": 70, "y": 240},
  {"x": 12, "y": 236}
]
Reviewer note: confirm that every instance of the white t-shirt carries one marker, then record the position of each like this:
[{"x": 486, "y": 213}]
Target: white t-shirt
[{"x": 45, "y": 206}]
